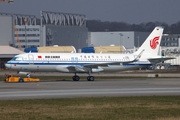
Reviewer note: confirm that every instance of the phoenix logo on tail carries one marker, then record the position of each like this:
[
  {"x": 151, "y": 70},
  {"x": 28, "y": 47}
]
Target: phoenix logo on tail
[{"x": 154, "y": 42}]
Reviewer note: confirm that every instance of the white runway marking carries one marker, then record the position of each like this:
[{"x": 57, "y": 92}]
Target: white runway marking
[{"x": 88, "y": 92}]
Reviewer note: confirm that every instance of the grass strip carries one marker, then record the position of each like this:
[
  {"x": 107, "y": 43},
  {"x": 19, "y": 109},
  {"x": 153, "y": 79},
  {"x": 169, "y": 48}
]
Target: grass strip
[{"x": 100, "y": 108}]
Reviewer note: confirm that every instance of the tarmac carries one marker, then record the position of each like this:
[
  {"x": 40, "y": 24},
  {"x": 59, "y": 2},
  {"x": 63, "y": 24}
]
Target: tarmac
[
  {"x": 164, "y": 84},
  {"x": 133, "y": 73}
]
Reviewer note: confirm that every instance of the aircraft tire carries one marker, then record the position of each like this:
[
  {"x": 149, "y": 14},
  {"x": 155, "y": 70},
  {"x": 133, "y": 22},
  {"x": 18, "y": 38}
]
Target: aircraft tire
[
  {"x": 76, "y": 78},
  {"x": 90, "y": 78},
  {"x": 73, "y": 78},
  {"x": 87, "y": 78}
]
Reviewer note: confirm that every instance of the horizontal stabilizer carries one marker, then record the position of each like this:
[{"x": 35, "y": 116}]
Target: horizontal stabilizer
[{"x": 158, "y": 60}]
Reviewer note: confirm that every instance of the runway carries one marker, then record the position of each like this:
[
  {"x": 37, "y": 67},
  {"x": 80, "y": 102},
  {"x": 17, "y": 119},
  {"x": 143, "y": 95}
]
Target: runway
[{"x": 98, "y": 88}]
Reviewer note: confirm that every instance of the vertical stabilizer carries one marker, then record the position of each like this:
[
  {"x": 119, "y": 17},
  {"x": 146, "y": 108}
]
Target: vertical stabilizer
[{"x": 152, "y": 43}]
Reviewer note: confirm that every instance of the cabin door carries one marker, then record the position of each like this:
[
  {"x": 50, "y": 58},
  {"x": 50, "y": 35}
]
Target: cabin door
[
  {"x": 74, "y": 59},
  {"x": 31, "y": 59}
]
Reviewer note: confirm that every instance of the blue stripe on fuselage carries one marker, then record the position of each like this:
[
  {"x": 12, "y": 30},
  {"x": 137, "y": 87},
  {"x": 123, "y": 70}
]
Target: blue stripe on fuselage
[{"x": 70, "y": 63}]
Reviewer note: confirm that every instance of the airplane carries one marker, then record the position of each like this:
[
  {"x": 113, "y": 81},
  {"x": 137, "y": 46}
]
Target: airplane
[{"x": 85, "y": 62}]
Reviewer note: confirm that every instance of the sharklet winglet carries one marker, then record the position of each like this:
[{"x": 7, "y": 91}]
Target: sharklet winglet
[{"x": 139, "y": 56}]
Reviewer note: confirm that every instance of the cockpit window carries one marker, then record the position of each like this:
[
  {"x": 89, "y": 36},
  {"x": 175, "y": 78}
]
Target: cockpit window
[{"x": 16, "y": 59}]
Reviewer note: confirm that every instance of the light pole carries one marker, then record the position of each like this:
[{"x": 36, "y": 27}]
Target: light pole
[
  {"x": 42, "y": 43},
  {"x": 121, "y": 35},
  {"x": 25, "y": 33},
  {"x": 78, "y": 42},
  {"x": 138, "y": 41}
]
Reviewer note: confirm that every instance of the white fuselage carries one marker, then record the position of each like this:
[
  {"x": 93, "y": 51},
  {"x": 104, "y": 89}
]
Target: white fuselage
[{"x": 71, "y": 62}]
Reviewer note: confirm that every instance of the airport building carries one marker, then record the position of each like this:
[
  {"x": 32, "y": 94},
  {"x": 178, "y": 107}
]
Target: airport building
[
  {"x": 19, "y": 31},
  {"x": 128, "y": 39},
  {"x": 169, "y": 40},
  {"x": 6, "y": 30},
  {"x": 62, "y": 29},
  {"x": 27, "y": 36}
]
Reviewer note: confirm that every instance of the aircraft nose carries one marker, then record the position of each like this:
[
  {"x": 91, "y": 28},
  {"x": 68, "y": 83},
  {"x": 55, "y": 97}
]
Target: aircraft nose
[{"x": 7, "y": 65}]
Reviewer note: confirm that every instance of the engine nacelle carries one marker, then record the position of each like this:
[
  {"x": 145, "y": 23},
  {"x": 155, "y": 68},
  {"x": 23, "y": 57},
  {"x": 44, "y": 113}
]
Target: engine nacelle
[
  {"x": 24, "y": 73},
  {"x": 62, "y": 69},
  {"x": 28, "y": 74},
  {"x": 99, "y": 69}
]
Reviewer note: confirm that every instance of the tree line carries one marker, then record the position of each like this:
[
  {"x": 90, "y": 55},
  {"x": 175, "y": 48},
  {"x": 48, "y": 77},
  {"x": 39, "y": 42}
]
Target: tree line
[{"x": 99, "y": 26}]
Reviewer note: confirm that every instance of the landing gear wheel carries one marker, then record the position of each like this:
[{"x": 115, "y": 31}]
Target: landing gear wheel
[
  {"x": 76, "y": 78},
  {"x": 90, "y": 78}
]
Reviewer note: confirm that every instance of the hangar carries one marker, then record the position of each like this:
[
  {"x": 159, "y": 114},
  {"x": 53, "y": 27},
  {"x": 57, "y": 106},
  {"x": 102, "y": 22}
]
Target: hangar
[{"x": 53, "y": 28}]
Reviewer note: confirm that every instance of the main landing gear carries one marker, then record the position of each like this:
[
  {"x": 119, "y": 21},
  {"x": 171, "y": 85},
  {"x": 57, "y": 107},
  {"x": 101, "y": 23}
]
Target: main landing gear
[
  {"x": 77, "y": 78},
  {"x": 90, "y": 78}
]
